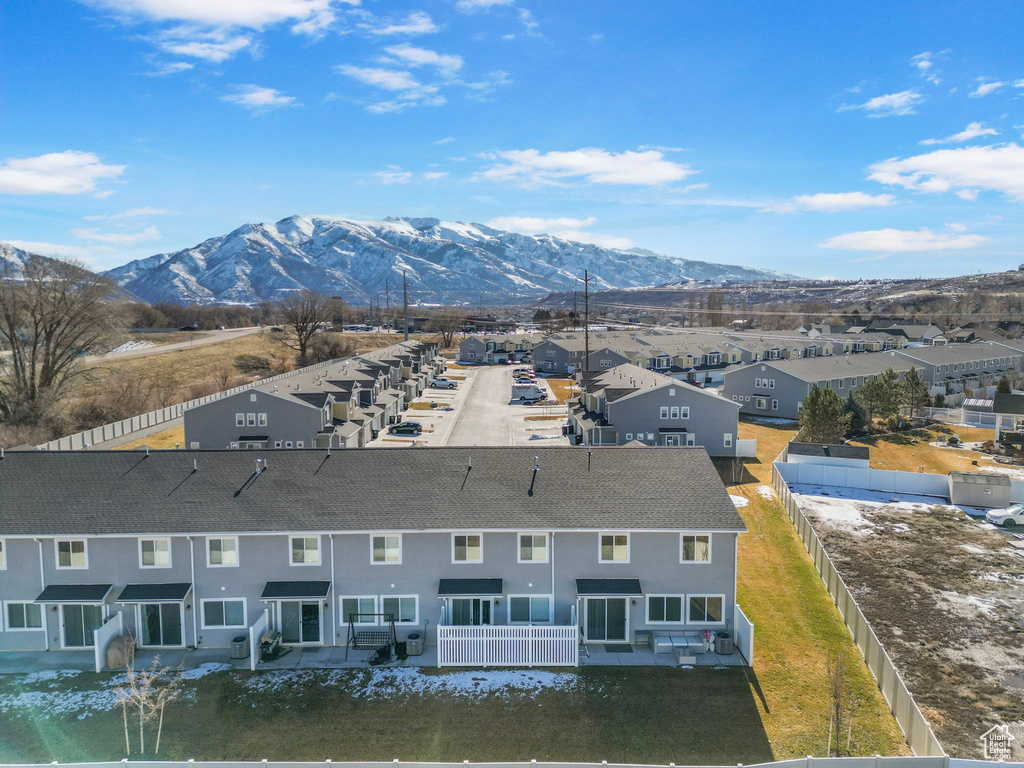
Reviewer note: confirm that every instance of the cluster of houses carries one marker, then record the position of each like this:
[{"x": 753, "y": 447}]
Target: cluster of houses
[
  {"x": 191, "y": 548},
  {"x": 342, "y": 406}
]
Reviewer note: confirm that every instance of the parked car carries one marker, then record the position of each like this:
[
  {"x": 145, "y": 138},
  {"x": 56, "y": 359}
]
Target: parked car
[
  {"x": 443, "y": 382},
  {"x": 1012, "y": 516},
  {"x": 527, "y": 372},
  {"x": 405, "y": 428}
]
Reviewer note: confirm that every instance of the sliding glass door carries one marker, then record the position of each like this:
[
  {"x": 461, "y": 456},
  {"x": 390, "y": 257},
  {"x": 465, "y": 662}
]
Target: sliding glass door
[
  {"x": 160, "y": 624},
  {"x": 300, "y": 622},
  {"x": 471, "y": 611},
  {"x": 606, "y": 619},
  {"x": 79, "y": 622}
]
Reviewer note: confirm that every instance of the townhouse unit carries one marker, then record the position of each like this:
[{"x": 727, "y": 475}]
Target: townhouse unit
[
  {"x": 341, "y": 406},
  {"x": 950, "y": 369},
  {"x": 194, "y": 547},
  {"x": 497, "y": 348},
  {"x": 629, "y": 403},
  {"x": 778, "y": 388}
]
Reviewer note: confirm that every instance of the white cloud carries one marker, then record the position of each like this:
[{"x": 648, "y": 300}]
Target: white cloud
[
  {"x": 964, "y": 171},
  {"x": 259, "y": 99},
  {"x": 416, "y": 23},
  {"x": 447, "y": 64},
  {"x": 904, "y": 241},
  {"x": 409, "y": 91},
  {"x": 131, "y": 213},
  {"x": 590, "y": 164},
  {"x": 253, "y": 14},
  {"x": 901, "y": 103},
  {"x": 832, "y": 202},
  {"x": 925, "y": 64},
  {"x": 445, "y": 140},
  {"x": 171, "y": 68},
  {"x": 210, "y": 47},
  {"x": 567, "y": 228},
  {"x": 529, "y": 23},
  {"x": 985, "y": 88},
  {"x": 972, "y": 131},
  {"x": 469, "y": 6},
  {"x": 433, "y": 175},
  {"x": 56, "y": 173},
  {"x": 118, "y": 238},
  {"x": 51, "y": 249},
  {"x": 394, "y": 175}
]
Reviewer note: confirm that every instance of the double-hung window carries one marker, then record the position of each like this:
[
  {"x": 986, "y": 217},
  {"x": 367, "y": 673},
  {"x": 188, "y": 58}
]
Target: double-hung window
[
  {"x": 467, "y": 548},
  {"x": 533, "y": 548},
  {"x": 674, "y": 412},
  {"x": 24, "y": 617},
  {"x": 705, "y": 609},
  {"x": 695, "y": 548},
  {"x": 665, "y": 609},
  {"x": 358, "y": 609},
  {"x": 387, "y": 548},
  {"x": 72, "y": 553},
  {"x": 614, "y": 548},
  {"x": 305, "y": 550},
  {"x": 239, "y": 419},
  {"x": 155, "y": 553},
  {"x": 529, "y": 609},
  {"x": 223, "y": 613},
  {"x": 222, "y": 552},
  {"x": 664, "y": 411}
]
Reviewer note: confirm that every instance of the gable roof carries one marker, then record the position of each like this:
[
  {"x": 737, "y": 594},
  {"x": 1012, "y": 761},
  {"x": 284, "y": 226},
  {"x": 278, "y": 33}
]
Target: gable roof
[
  {"x": 128, "y": 492},
  {"x": 812, "y": 369}
]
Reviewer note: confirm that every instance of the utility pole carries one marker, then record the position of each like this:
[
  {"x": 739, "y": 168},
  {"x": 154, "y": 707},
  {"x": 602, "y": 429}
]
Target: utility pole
[
  {"x": 405, "y": 303},
  {"x": 586, "y": 321},
  {"x": 387, "y": 301}
]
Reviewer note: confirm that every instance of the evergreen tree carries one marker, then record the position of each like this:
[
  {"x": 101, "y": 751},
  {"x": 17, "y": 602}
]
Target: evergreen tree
[
  {"x": 1003, "y": 387},
  {"x": 823, "y": 417},
  {"x": 858, "y": 419},
  {"x": 914, "y": 391},
  {"x": 891, "y": 394},
  {"x": 870, "y": 396}
]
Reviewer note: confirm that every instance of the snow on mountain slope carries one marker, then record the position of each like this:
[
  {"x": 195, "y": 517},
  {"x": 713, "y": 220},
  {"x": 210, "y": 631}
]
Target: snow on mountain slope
[{"x": 444, "y": 261}]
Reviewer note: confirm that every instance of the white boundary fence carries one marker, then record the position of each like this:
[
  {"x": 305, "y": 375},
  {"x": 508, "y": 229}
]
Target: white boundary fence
[
  {"x": 964, "y": 417},
  {"x": 101, "y": 637},
  {"x": 916, "y": 729},
  {"x": 743, "y": 630},
  {"x": 803, "y": 762},
  {"x": 746, "y": 448},
  {"x": 261, "y": 625},
  {"x": 97, "y": 435},
  {"x": 507, "y": 646}
]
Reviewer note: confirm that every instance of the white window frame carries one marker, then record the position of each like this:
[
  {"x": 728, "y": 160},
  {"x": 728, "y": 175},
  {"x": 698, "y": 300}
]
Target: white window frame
[
  {"x": 727, "y": 440},
  {"x": 398, "y": 621},
  {"x": 386, "y": 536},
  {"x": 674, "y": 412},
  {"x": 300, "y": 444},
  {"x": 193, "y": 446},
  {"x": 771, "y": 383},
  {"x": 211, "y": 564},
  {"x": 85, "y": 553},
  {"x": 683, "y": 604},
  {"x": 469, "y": 533},
  {"x": 250, "y": 419},
  {"x": 3, "y": 554},
  {"x": 691, "y": 439},
  {"x": 239, "y": 419},
  {"x": 154, "y": 539},
  {"x": 600, "y": 547},
  {"x": 684, "y": 412},
  {"x": 343, "y": 617},
  {"x": 5, "y": 623},
  {"x": 551, "y": 610},
  {"x": 277, "y": 443},
  {"x": 775, "y": 405},
  {"x": 519, "y": 547},
  {"x": 705, "y": 623},
  {"x": 202, "y": 612},
  {"x": 291, "y": 549},
  {"x": 664, "y": 411},
  {"x": 682, "y": 544},
  {"x": 761, "y": 403},
  {"x": 629, "y": 436},
  {"x": 261, "y": 419}
]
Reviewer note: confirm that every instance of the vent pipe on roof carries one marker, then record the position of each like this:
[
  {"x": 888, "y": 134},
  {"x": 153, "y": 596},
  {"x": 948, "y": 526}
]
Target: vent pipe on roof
[
  {"x": 536, "y": 463},
  {"x": 258, "y": 468},
  {"x": 195, "y": 465},
  {"x": 590, "y": 454}
]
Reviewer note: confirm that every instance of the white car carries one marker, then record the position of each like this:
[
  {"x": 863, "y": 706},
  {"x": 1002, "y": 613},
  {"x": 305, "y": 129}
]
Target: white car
[
  {"x": 1009, "y": 517},
  {"x": 443, "y": 382}
]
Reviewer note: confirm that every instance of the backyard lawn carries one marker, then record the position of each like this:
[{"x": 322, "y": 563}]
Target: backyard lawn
[
  {"x": 910, "y": 451},
  {"x": 158, "y": 441}
]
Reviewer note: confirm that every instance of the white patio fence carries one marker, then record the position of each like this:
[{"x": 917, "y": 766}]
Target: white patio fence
[
  {"x": 746, "y": 448},
  {"x": 101, "y": 637},
  {"x": 261, "y": 625},
  {"x": 507, "y": 646},
  {"x": 743, "y": 630}
]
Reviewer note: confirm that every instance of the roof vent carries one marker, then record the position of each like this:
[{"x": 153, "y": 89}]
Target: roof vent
[
  {"x": 536, "y": 463},
  {"x": 259, "y": 467}
]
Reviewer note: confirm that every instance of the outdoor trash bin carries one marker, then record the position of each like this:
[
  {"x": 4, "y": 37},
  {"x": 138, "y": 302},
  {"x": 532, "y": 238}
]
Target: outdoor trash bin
[
  {"x": 414, "y": 644},
  {"x": 240, "y": 647},
  {"x": 723, "y": 644}
]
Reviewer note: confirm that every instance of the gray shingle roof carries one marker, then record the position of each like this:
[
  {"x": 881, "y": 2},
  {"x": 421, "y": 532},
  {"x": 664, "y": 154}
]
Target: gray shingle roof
[
  {"x": 832, "y": 451},
  {"x": 357, "y": 489},
  {"x": 1007, "y": 403}
]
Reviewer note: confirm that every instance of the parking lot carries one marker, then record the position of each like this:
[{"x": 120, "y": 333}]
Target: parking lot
[{"x": 481, "y": 414}]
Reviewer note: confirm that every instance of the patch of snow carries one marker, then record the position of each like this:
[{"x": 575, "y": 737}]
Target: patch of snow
[
  {"x": 739, "y": 501},
  {"x": 850, "y": 508},
  {"x": 1011, "y": 472},
  {"x": 47, "y": 674},
  {"x": 204, "y": 669},
  {"x": 766, "y": 491},
  {"x": 974, "y": 549},
  {"x": 901, "y": 528}
]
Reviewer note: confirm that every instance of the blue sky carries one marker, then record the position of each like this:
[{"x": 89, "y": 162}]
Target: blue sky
[{"x": 847, "y": 139}]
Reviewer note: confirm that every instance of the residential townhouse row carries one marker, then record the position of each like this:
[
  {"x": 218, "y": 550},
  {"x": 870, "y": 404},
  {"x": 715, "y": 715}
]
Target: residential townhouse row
[
  {"x": 778, "y": 388},
  {"x": 498, "y": 348},
  {"x": 628, "y": 403},
  {"x": 194, "y": 547},
  {"x": 343, "y": 406}
]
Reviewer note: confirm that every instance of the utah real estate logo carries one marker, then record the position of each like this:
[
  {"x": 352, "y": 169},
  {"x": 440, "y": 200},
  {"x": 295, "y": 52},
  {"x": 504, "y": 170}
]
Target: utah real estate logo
[{"x": 996, "y": 742}]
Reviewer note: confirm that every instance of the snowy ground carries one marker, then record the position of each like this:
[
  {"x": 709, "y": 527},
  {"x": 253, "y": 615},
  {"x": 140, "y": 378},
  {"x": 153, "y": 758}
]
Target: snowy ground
[
  {"x": 850, "y": 508},
  {"x": 739, "y": 501}
]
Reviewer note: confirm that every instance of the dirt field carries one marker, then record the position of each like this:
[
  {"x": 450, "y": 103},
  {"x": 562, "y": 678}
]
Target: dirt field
[{"x": 945, "y": 595}]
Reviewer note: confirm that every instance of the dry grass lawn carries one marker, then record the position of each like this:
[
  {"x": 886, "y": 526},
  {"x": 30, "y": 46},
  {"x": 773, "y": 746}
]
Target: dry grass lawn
[
  {"x": 158, "y": 441},
  {"x": 911, "y": 452},
  {"x": 797, "y": 627},
  {"x": 563, "y": 389}
]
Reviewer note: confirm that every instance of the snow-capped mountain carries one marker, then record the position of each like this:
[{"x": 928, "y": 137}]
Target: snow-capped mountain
[{"x": 445, "y": 262}]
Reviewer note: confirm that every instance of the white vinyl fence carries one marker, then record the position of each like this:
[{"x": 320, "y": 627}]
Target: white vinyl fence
[
  {"x": 261, "y": 625},
  {"x": 743, "y": 633},
  {"x": 101, "y": 637},
  {"x": 964, "y": 417},
  {"x": 507, "y": 646},
  {"x": 886, "y": 481},
  {"x": 746, "y": 448},
  {"x": 916, "y": 729}
]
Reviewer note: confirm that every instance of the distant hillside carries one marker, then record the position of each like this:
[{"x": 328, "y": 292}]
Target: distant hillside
[{"x": 445, "y": 262}]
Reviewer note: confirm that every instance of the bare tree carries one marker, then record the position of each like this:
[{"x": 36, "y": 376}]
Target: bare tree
[
  {"x": 51, "y": 312},
  {"x": 146, "y": 693},
  {"x": 841, "y": 703},
  {"x": 446, "y": 323},
  {"x": 305, "y": 313}
]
